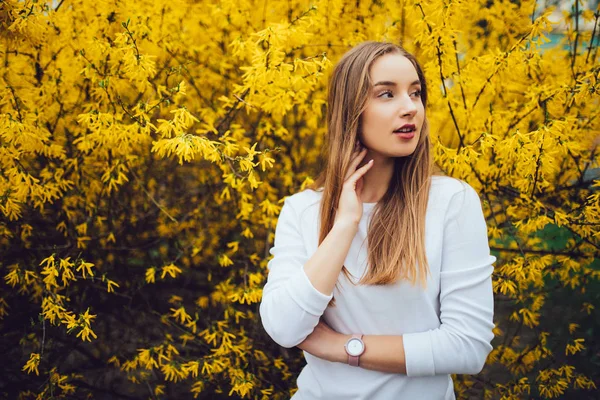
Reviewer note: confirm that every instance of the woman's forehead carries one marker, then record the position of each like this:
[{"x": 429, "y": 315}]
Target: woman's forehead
[{"x": 394, "y": 68}]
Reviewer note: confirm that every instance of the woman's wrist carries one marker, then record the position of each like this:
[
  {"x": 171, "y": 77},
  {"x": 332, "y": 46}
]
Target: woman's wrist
[
  {"x": 345, "y": 225},
  {"x": 337, "y": 350}
]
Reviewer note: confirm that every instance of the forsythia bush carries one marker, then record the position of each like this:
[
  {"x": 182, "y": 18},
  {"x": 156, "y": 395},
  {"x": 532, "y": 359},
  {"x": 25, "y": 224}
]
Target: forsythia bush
[{"x": 146, "y": 146}]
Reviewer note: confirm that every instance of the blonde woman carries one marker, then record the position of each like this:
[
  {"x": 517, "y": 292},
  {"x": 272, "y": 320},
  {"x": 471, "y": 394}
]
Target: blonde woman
[{"x": 381, "y": 272}]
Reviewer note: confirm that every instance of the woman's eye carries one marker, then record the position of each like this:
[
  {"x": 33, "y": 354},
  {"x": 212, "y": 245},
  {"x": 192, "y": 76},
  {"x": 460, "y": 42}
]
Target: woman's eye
[
  {"x": 387, "y": 92},
  {"x": 416, "y": 93}
]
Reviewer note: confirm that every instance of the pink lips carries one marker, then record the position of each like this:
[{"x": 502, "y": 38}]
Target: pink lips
[{"x": 406, "y": 135}]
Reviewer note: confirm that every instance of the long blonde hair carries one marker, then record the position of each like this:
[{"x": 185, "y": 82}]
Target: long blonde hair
[{"x": 396, "y": 233}]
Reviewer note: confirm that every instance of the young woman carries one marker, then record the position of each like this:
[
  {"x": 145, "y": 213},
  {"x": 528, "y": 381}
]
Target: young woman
[{"x": 381, "y": 272}]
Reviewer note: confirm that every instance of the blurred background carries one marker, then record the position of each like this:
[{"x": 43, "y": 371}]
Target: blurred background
[{"x": 146, "y": 148}]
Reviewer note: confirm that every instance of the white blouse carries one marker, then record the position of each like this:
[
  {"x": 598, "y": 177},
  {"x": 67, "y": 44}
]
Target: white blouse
[{"x": 446, "y": 328}]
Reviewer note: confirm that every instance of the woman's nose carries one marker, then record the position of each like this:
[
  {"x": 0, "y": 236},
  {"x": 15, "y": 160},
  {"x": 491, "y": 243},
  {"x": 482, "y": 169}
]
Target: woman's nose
[{"x": 408, "y": 107}]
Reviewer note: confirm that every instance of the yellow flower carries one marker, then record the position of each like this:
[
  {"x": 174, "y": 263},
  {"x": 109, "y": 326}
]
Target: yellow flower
[
  {"x": 50, "y": 273},
  {"x": 110, "y": 285},
  {"x": 84, "y": 323},
  {"x": 3, "y": 308},
  {"x": 180, "y": 315},
  {"x": 197, "y": 388},
  {"x": 32, "y": 364},
  {"x": 575, "y": 347},
  {"x": 247, "y": 233},
  {"x": 171, "y": 270},
  {"x": 85, "y": 267},
  {"x": 12, "y": 278},
  {"x": 114, "y": 360},
  {"x": 225, "y": 261},
  {"x": 159, "y": 390},
  {"x": 151, "y": 275}
]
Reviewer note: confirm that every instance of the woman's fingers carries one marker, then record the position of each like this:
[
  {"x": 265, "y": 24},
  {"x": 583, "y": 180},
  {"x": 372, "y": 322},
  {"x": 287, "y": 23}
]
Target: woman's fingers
[
  {"x": 359, "y": 173},
  {"x": 352, "y": 167}
]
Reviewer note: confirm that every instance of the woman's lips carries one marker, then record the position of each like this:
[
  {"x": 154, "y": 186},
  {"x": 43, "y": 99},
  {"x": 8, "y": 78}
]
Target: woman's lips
[
  {"x": 408, "y": 135},
  {"x": 406, "y": 131}
]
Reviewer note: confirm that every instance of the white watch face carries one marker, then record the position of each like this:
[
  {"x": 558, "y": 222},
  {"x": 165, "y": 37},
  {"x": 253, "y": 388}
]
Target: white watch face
[{"x": 355, "y": 347}]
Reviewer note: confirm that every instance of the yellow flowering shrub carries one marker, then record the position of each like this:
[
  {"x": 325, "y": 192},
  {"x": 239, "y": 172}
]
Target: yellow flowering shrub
[{"x": 146, "y": 147}]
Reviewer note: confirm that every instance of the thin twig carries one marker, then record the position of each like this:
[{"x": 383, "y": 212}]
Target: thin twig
[
  {"x": 43, "y": 337},
  {"x": 576, "y": 40},
  {"x": 489, "y": 78},
  {"x": 130, "y": 34},
  {"x": 443, "y": 79},
  {"x": 541, "y": 252},
  {"x": 59, "y": 4},
  {"x": 538, "y": 162},
  {"x": 16, "y": 99},
  {"x": 462, "y": 91},
  {"x": 151, "y": 197},
  {"x": 597, "y": 15},
  {"x": 150, "y": 391}
]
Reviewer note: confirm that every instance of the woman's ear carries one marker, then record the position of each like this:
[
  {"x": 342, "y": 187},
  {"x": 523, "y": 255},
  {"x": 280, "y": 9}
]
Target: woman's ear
[{"x": 358, "y": 145}]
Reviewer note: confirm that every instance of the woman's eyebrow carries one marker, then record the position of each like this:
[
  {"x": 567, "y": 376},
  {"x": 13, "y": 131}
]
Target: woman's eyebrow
[{"x": 390, "y": 83}]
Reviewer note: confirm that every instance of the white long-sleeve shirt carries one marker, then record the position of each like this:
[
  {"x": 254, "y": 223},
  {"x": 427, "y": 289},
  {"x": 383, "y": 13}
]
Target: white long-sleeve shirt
[{"x": 446, "y": 328}]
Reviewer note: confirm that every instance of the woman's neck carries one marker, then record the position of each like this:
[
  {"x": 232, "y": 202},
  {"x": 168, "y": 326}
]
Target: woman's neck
[{"x": 377, "y": 180}]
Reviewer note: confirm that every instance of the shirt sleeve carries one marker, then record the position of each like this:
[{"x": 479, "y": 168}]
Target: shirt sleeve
[
  {"x": 461, "y": 344},
  {"x": 291, "y": 306}
]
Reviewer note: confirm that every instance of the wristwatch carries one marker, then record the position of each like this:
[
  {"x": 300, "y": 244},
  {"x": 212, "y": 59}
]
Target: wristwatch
[{"x": 354, "y": 348}]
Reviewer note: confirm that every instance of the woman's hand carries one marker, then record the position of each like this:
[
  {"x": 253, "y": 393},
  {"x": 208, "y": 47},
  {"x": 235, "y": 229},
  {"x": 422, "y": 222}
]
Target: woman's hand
[
  {"x": 350, "y": 207},
  {"x": 325, "y": 343}
]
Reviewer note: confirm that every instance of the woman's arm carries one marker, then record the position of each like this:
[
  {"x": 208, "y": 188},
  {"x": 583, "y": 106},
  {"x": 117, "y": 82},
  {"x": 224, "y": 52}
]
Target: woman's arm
[
  {"x": 462, "y": 342},
  {"x": 382, "y": 353},
  {"x": 299, "y": 288}
]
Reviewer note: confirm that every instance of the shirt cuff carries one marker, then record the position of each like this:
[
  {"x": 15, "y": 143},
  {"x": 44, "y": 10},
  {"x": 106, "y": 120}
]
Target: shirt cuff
[
  {"x": 418, "y": 354},
  {"x": 302, "y": 291}
]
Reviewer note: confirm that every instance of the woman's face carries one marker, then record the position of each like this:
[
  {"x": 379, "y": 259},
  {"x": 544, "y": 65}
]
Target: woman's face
[{"x": 391, "y": 123}]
